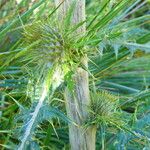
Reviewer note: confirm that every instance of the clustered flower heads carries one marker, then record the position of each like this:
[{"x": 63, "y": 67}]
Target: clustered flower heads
[
  {"x": 103, "y": 109},
  {"x": 48, "y": 46},
  {"x": 54, "y": 44}
]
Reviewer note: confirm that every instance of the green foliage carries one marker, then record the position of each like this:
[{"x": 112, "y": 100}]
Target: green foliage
[
  {"x": 39, "y": 53},
  {"x": 46, "y": 113}
]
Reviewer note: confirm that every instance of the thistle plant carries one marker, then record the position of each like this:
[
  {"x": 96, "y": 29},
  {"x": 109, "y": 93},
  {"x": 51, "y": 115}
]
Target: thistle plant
[
  {"x": 48, "y": 50},
  {"x": 103, "y": 110},
  {"x": 50, "y": 54}
]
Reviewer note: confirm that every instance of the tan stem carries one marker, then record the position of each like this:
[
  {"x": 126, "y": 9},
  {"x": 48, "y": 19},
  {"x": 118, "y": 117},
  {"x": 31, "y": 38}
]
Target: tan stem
[{"x": 78, "y": 99}]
